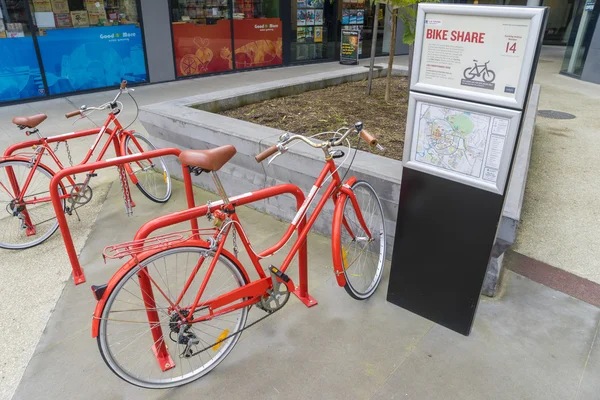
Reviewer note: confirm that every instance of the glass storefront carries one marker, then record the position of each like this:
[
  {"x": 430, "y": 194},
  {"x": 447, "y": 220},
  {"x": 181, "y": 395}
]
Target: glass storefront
[
  {"x": 257, "y": 33},
  {"x": 579, "y": 39},
  {"x": 317, "y": 25},
  {"x": 54, "y": 47},
  {"x": 206, "y": 31},
  {"x": 89, "y": 44},
  {"x": 20, "y": 76},
  {"x": 81, "y": 45}
]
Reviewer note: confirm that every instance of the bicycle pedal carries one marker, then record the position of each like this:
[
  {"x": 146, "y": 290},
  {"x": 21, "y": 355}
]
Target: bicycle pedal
[{"x": 279, "y": 274}]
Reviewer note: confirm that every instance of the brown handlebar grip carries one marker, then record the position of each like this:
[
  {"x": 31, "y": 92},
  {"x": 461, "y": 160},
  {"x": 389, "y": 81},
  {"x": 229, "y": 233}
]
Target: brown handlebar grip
[
  {"x": 73, "y": 114},
  {"x": 123, "y": 84},
  {"x": 367, "y": 137},
  {"x": 267, "y": 153}
]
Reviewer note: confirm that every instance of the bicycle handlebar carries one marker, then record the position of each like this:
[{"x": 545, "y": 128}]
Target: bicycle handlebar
[
  {"x": 267, "y": 153},
  {"x": 73, "y": 114},
  {"x": 280, "y": 147},
  {"x": 104, "y": 106}
]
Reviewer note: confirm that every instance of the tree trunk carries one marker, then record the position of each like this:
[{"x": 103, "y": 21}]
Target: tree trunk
[
  {"x": 388, "y": 82},
  {"x": 373, "y": 46}
]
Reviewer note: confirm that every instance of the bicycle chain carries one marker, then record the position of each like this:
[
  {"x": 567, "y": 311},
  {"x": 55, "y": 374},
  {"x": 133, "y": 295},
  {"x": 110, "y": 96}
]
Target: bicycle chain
[
  {"x": 68, "y": 154},
  {"x": 235, "y": 333},
  {"x": 125, "y": 191}
]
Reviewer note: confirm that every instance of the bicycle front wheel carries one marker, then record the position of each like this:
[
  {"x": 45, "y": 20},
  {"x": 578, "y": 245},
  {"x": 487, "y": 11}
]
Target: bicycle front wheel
[
  {"x": 26, "y": 220},
  {"x": 128, "y": 337},
  {"x": 153, "y": 177},
  {"x": 363, "y": 253}
]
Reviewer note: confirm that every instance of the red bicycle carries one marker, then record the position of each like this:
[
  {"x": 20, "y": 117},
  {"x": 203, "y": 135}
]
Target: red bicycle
[
  {"x": 177, "y": 308},
  {"x": 25, "y": 178}
]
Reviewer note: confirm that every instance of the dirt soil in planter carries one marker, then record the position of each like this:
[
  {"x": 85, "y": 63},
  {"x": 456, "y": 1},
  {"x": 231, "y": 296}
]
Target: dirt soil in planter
[{"x": 331, "y": 108}]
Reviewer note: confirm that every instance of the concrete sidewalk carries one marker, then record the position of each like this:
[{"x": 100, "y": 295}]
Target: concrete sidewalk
[
  {"x": 561, "y": 209},
  {"x": 38, "y": 292},
  {"x": 533, "y": 343}
]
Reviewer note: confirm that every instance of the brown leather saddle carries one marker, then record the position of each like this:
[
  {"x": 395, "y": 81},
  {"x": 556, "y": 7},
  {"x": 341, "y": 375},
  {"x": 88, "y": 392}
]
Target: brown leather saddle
[
  {"x": 208, "y": 160},
  {"x": 29, "y": 122}
]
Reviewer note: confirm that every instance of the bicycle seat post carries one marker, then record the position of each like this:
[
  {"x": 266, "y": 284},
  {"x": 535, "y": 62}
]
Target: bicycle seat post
[{"x": 220, "y": 187}]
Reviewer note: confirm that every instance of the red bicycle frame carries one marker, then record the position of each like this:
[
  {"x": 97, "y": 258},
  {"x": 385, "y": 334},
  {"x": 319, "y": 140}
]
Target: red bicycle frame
[
  {"x": 252, "y": 291},
  {"x": 115, "y": 136}
]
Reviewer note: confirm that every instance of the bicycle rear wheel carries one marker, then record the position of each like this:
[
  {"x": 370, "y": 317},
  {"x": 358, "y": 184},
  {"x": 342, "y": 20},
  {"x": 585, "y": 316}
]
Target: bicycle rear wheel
[
  {"x": 25, "y": 223},
  {"x": 362, "y": 258},
  {"x": 125, "y": 335},
  {"x": 153, "y": 177}
]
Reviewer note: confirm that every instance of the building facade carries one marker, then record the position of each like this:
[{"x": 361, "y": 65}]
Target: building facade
[
  {"x": 57, "y": 47},
  {"x": 571, "y": 23}
]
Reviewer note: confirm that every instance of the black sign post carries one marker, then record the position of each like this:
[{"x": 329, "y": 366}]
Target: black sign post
[{"x": 472, "y": 72}]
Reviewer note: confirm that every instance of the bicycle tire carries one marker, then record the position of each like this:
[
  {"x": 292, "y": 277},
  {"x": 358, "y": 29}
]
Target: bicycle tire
[
  {"x": 45, "y": 210},
  {"x": 223, "y": 349},
  {"x": 489, "y": 73},
  {"x": 468, "y": 74},
  {"x": 375, "y": 221},
  {"x": 149, "y": 172}
]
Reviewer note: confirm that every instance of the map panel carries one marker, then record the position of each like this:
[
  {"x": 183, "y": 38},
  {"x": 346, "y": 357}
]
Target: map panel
[{"x": 459, "y": 141}]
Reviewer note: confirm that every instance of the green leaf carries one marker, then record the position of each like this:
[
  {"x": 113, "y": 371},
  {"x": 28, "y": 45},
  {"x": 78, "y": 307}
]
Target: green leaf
[{"x": 409, "y": 35}]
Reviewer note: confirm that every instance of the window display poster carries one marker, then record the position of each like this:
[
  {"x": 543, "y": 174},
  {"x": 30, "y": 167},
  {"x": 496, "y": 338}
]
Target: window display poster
[
  {"x": 349, "y": 47},
  {"x": 309, "y": 34},
  {"x": 301, "y": 17},
  {"x": 310, "y": 17},
  {"x": 301, "y": 3},
  {"x": 300, "y": 35},
  {"x": 258, "y": 42},
  {"x": 201, "y": 49},
  {"x": 89, "y": 58},
  {"x": 318, "y": 17},
  {"x": 310, "y": 3},
  {"x": 20, "y": 76},
  {"x": 318, "y": 34},
  {"x": 474, "y": 53},
  {"x": 318, "y": 3},
  {"x": 360, "y": 17},
  {"x": 345, "y": 16},
  {"x": 352, "y": 17}
]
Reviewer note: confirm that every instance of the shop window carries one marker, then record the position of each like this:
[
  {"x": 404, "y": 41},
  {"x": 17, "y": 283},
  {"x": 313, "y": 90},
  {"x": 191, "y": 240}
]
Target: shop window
[
  {"x": 257, "y": 33},
  {"x": 201, "y": 36},
  {"x": 89, "y": 44},
  {"x": 20, "y": 76},
  {"x": 313, "y": 22}
]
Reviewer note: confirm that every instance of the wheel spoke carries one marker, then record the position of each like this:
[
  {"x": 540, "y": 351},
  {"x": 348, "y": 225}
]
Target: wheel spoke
[{"x": 128, "y": 352}]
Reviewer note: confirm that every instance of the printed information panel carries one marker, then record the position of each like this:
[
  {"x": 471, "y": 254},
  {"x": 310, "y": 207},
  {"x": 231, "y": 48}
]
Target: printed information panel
[
  {"x": 468, "y": 53},
  {"x": 461, "y": 141}
]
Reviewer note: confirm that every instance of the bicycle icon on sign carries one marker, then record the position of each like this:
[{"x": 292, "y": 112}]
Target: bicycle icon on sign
[{"x": 480, "y": 70}]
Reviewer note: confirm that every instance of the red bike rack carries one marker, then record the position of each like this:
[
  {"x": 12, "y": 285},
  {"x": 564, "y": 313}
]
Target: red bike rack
[{"x": 78, "y": 275}]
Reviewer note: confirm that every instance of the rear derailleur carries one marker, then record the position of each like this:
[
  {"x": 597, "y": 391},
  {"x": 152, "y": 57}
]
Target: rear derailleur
[{"x": 184, "y": 333}]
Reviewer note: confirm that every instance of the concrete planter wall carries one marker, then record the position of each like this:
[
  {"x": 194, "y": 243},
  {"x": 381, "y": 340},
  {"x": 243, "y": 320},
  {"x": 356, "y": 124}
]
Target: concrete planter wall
[{"x": 190, "y": 123}]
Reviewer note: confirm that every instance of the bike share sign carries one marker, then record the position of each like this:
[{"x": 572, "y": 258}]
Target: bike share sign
[
  {"x": 482, "y": 54},
  {"x": 473, "y": 69},
  {"x": 479, "y": 53}
]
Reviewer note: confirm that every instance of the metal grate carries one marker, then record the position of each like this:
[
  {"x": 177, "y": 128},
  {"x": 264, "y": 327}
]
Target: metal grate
[{"x": 555, "y": 114}]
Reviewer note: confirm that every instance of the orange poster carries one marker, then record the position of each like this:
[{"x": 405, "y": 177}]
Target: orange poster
[
  {"x": 258, "y": 42},
  {"x": 201, "y": 49}
]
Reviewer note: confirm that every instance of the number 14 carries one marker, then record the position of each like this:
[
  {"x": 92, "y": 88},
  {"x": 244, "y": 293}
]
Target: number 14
[{"x": 511, "y": 47}]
